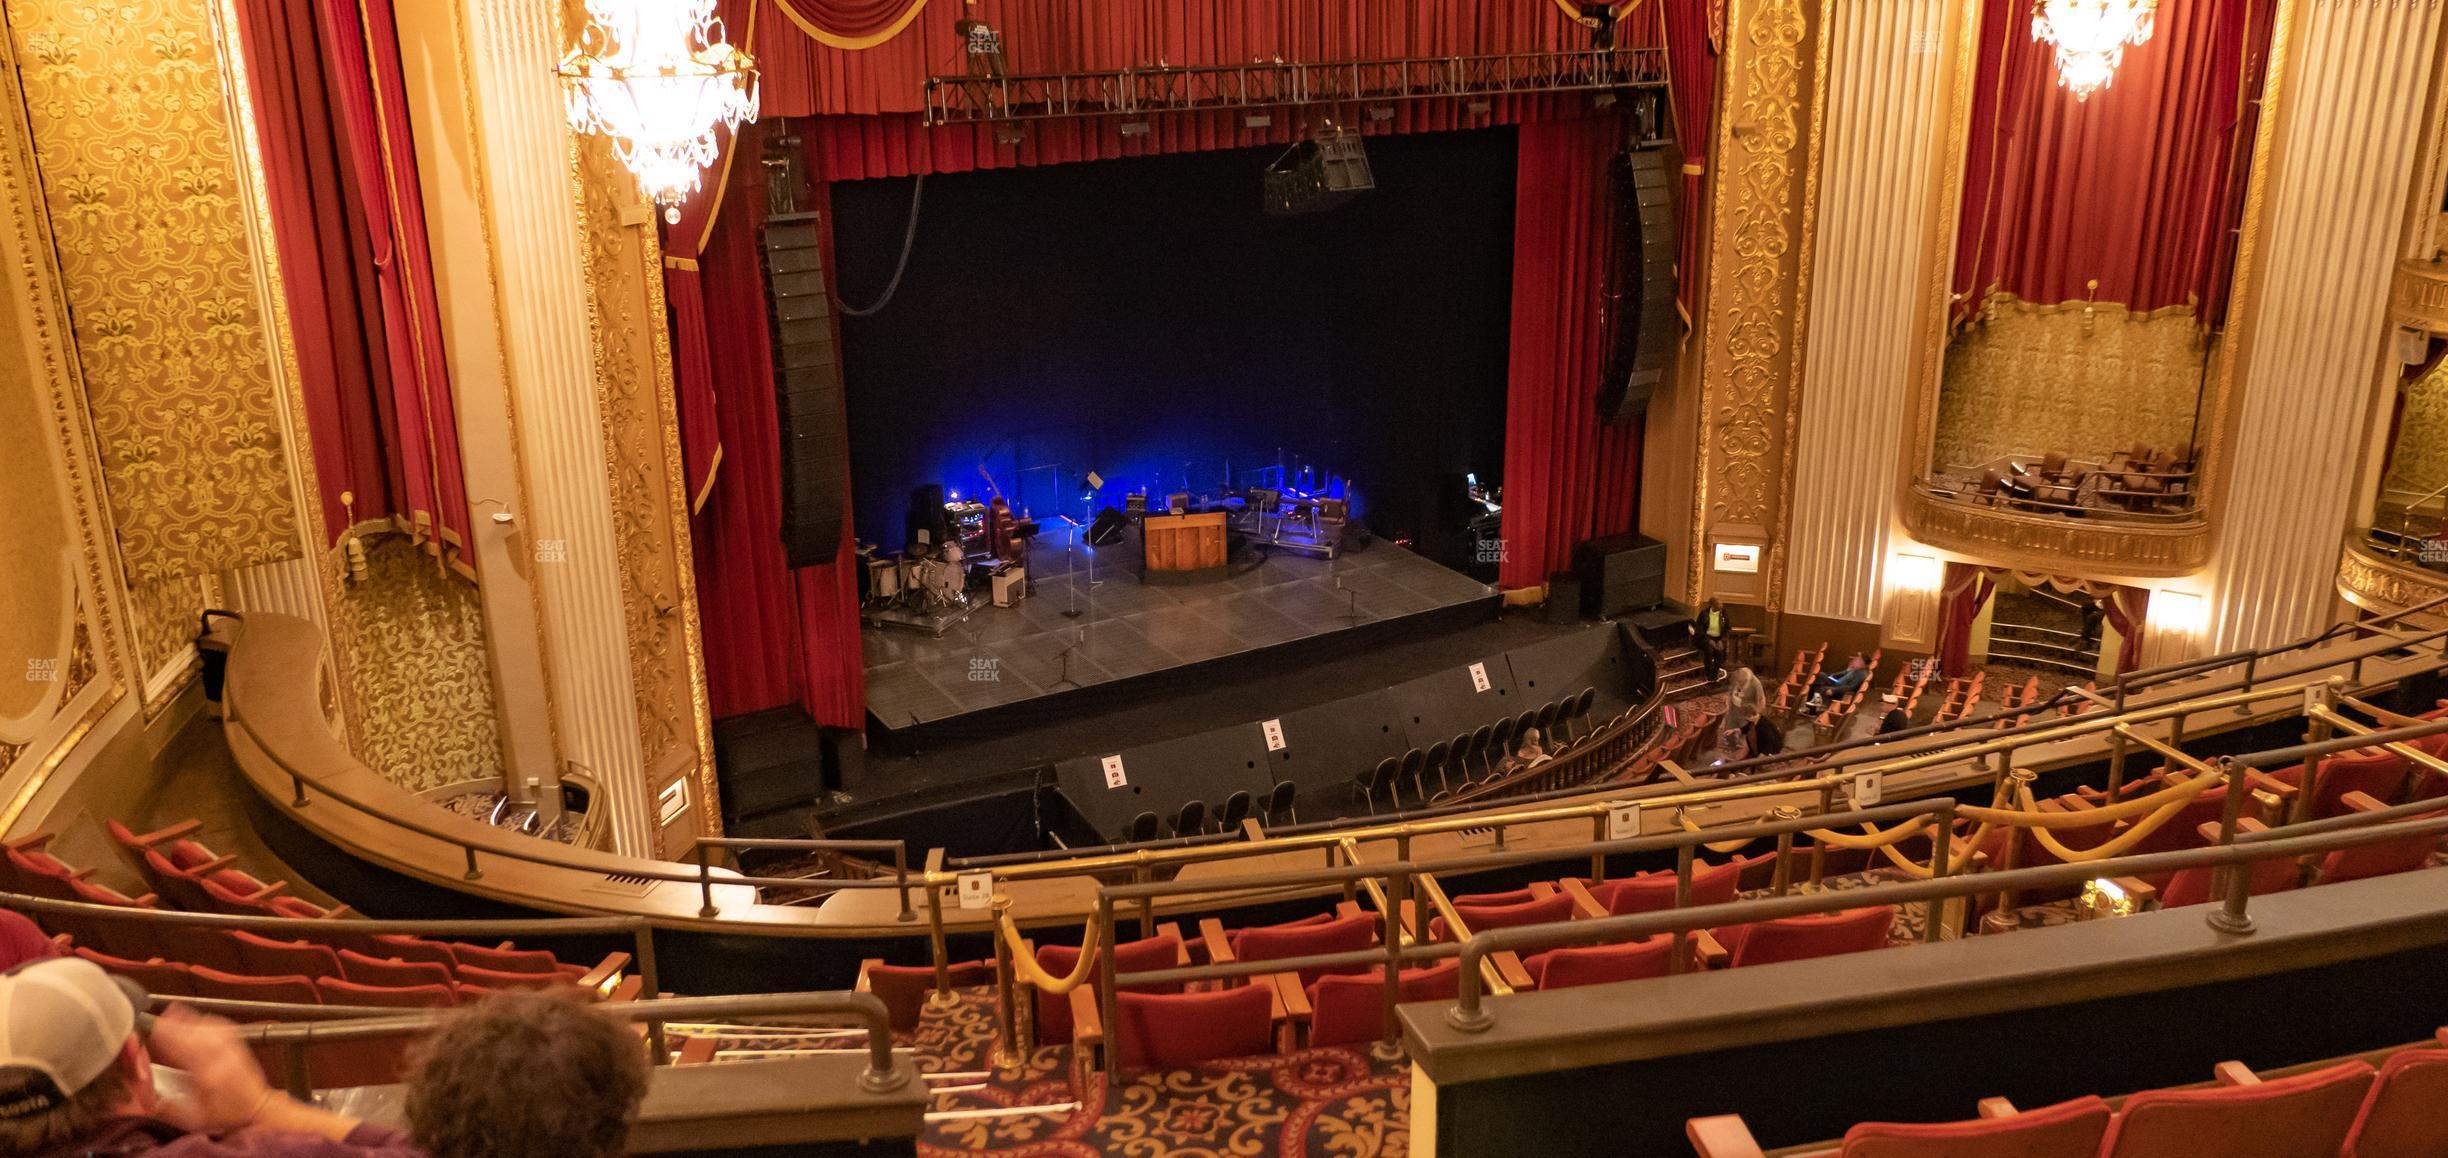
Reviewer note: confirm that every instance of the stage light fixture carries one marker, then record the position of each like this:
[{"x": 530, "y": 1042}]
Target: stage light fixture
[
  {"x": 1478, "y": 108},
  {"x": 1009, "y": 134},
  {"x": 1381, "y": 113},
  {"x": 1257, "y": 121},
  {"x": 1318, "y": 174},
  {"x": 1134, "y": 128}
]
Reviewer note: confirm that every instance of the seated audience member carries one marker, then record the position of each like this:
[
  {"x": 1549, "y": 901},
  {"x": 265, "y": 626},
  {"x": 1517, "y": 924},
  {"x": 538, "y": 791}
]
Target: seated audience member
[
  {"x": 1836, "y": 685},
  {"x": 526, "y": 1073},
  {"x": 1896, "y": 719},
  {"x": 77, "y": 1080},
  {"x": 1745, "y": 698},
  {"x": 1530, "y": 754}
]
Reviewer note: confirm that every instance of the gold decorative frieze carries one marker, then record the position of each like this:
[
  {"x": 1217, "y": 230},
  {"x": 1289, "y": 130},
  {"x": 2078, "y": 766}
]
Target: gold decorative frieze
[
  {"x": 134, "y": 152},
  {"x": 2374, "y": 582},
  {"x": 2419, "y": 298},
  {"x": 2048, "y": 543}
]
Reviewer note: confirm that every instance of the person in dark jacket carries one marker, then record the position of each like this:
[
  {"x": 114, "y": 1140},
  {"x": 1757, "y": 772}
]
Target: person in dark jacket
[{"x": 76, "y": 1079}]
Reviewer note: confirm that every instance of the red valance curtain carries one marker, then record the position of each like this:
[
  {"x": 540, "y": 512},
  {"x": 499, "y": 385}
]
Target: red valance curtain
[
  {"x": 1568, "y": 476},
  {"x": 341, "y": 178},
  {"x": 2127, "y": 609},
  {"x": 2136, "y": 187},
  {"x": 1691, "y": 71}
]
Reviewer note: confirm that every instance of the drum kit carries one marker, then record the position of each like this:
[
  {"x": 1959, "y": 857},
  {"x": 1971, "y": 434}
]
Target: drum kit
[{"x": 932, "y": 579}]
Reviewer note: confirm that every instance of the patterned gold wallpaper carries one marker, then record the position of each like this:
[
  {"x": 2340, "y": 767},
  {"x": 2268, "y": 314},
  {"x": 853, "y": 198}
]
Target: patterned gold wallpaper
[
  {"x": 2421, "y": 461},
  {"x": 2034, "y": 378},
  {"x": 417, "y": 670},
  {"x": 134, "y": 147},
  {"x": 166, "y": 618}
]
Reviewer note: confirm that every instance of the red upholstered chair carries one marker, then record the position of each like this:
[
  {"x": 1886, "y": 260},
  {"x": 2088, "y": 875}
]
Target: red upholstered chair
[
  {"x": 2381, "y": 774},
  {"x": 1502, "y": 911},
  {"x": 227, "y": 892},
  {"x": 336, "y": 991},
  {"x": 1324, "y": 933},
  {"x": 1350, "y": 1007},
  {"x": 2195, "y": 886},
  {"x": 165, "y": 978},
  {"x": 391, "y": 971},
  {"x": 408, "y": 948},
  {"x": 241, "y": 987},
  {"x": 1600, "y": 964},
  {"x": 1801, "y": 938},
  {"x": 195, "y": 945},
  {"x": 369, "y": 1063},
  {"x": 2305, "y": 1116},
  {"x": 496, "y": 979},
  {"x": 2406, "y": 1113},
  {"x": 1163, "y": 951},
  {"x": 2404, "y": 854},
  {"x": 110, "y": 936},
  {"x": 904, "y": 988},
  {"x": 508, "y": 960},
  {"x": 265, "y": 957},
  {"x": 1173, "y": 1030},
  {"x": 1712, "y": 884},
  {"x": 2065, "y": 1130},
  {"x": 39, "y": 873}
]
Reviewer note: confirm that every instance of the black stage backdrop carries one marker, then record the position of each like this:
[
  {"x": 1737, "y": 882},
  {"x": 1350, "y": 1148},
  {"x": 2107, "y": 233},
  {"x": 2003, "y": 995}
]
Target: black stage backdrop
[{"x": 1144, "y": 318}]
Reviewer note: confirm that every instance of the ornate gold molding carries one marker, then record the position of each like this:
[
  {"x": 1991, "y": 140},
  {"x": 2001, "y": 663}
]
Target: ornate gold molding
[
  {"x": 1768, "y": 132},
  {"x": 2047, "y": 543},
  {"x": 2375, "y": 583},
  {"x": 2418, "y": 297}
]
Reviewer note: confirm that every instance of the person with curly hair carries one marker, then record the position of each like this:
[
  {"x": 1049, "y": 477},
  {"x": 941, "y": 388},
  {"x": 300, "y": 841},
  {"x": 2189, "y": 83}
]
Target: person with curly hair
[{"x": 526, "y": 1073}]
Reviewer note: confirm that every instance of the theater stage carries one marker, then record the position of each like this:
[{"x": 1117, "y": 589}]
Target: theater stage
[{"x": 1004, "y": 666}]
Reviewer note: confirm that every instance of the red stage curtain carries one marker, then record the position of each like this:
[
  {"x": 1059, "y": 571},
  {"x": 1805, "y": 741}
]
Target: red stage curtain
[
  {"x": 2136, "y": 187},
  {"x": 1966, "y": 592},
  {"x": 1567, "y": 477},
  {"x": 350, "y": 226},
  {"x": 2127, "y": 610},
  {"x": 1691, "y": 71},
  {"x": 701, "y": 446}
]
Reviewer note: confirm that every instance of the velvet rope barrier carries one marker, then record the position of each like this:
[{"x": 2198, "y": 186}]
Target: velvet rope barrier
[
  {"x": 2124, "y": 840},
  {"x": 1027, "y": 970},
  {"x": 2030, "y": 817},
  {"x": 1970, "y": 844}
]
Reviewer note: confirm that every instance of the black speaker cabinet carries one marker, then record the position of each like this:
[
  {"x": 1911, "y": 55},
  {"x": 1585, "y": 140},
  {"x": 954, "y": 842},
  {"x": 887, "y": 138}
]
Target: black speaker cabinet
[
  {"x": 1563, "y": 598},
  {"x": 1642, "y": 319},
  {"x": 1107, "y": 529},
  {"x": 1619, "y": 574},
  {"x": 807, "y": 390}
]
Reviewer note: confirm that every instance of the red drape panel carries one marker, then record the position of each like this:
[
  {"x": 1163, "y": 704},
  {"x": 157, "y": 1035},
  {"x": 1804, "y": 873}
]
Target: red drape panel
[
  {"x": 1966, "y": 592},
  {"x": 1691, "y": 70},
  {"x": 1568, "y": 477},
  {"x": 350, "y": 226},
  {"x": 2135, "y": 187},
  {"x": 2127, "y": 610},
  {"x": 701, "y": 446}
]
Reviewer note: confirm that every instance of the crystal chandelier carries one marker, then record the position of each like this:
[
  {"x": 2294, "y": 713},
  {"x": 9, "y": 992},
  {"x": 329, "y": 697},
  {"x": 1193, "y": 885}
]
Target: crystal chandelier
[
  {"x": 657, "y": 76},
  {"x": 2091, "y": 37}
]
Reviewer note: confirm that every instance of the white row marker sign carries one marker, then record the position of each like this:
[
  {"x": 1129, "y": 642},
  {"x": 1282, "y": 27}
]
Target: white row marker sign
[{"x": 1114, "y": 778}]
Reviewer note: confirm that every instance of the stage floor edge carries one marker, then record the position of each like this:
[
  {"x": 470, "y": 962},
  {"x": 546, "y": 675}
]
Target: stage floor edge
[{"x": 1132, "y": 641}]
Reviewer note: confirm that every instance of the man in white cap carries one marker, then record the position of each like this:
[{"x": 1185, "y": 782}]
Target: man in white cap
[{"x": 77, "y": 1079}]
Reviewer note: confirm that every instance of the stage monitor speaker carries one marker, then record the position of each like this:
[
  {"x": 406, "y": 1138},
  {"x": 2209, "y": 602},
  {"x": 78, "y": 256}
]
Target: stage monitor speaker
[
  {"x": 1563, "y": 598},
  {"x": 1641, "y": 299},
  {"x": 1107, "y": 529},
  {"x": 808, "y": 408},
  {"x": 926, "y": 513},
  {"x": 1620, "y": 573}
]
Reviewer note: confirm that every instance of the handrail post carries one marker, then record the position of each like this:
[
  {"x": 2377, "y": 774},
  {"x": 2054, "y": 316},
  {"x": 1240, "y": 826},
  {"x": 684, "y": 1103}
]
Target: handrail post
[
  {"x": 650, "y": 987},
  {"x": 473, "y": 873},
  {"x": 1827, "y": 807},
  {"x": 2252, "y": 672},
  {"x": 1008, "y": 1049},
  {"x": 295, "y": 1074},
  {"x": 1107, "y": 1001},
  {"x": 1598, "y": 832},
  {"x": 1999, "y": 919},
  {"x": 2231, "y": 917},
  {"x": 1469, "y": 1014},
  {"x": 297, "y": 786},
  {"x": 1398, "y": 898},
  {"x": 2116, "y": 762},
  {"x": 2317, "y": 729},
  {"x": 901, "y": 879},
  {"x": 1683, "y": 888},
  {"x": 1942, "y": 859},
  {"x": 1781, "y": 880},
  {"x": 705, "y": 884},
  {"x": 936, "y": 947}
]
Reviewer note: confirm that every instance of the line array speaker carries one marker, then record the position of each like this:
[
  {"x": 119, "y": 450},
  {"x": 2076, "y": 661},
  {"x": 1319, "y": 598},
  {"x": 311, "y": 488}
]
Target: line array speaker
[
  {"x": 807, "y": 390},
  {"x": 1641, "y": 302}
]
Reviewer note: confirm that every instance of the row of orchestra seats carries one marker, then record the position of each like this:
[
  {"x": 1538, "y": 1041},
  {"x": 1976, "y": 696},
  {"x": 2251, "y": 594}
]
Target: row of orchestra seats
[
  {"x": 1494, "y": 747},
  {"x": 2350, "y": 1108}
]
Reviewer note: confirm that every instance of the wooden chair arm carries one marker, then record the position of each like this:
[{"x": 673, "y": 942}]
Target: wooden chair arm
[
  {"x": 2144, "y": 893},
  {"x": 864, "y": 965},
  {"x": 182, "y": 828},
  {"x": 625, "y": 992},
  {"x": 1291, "y": 997},
  {"x": 339, "y": 912},
  {"x": 2363, "y": 802},
  {"x": 1219, "y": 946},
  {"x": 1723, "y": 1136},
  {"x": 1540, "y": 890},
  {"x": 1997, "y": 1108},
  {"x": 1509, "y": 968},
  {"x": 2236, "y": 1073},
  {"x": 1181, "y": 956},
  {"x": 606, "y": 970},
  {"x": 1348, "y": 909},
  {"x": 276, "y": 888},
  {"x": 30, "y": 843},
  {"x": 1585, "y": 906},
  {"x": 1087, "y": 1021},
  {"x": 697, "y": 1051},
  {"x": 212, "y": 866},
  {"x": 1712, "y": 953}
]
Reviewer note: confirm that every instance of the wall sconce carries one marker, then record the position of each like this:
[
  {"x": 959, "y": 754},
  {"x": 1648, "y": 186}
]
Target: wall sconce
[
  {"x": 1923, "y": 573},
  {"x": 2102, "y": 897},
  {"x": 2182, "y": 612}
]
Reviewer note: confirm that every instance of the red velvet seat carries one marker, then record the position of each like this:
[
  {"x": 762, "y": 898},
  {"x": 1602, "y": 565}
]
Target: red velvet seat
[
  {"x": 366, "y": 970},
  {"x": 110, "y": 936},
  {"x": 2066, "y": 1130},
  {"x": 265, "y": 957},
  {"x": 1163, "y": 951},
  {"x": 408, "y": 948},
  {"x": 2192, "y": 886},
  {"x": 509, "y": 960},
  {"x": 2404, "y": 854},
  {"x": 1500, "y": 911},
  {"x": 40, "y": 874},
  {"x": 904, "y": 988},
  {"x": 293, "y": 990},
  {"x": 196, "y": 945},
  {"x": 2406, "y": 1113},
  {"x": 2381, "y": 774},
  {"x": 1712, "y": 884},
  {"x": 1321, "y": 934},
  {"x": 1600, "y": 964},
  {"x": 226, "y": 892},
  {"x": 163, "y": 978},
  {"x": 1173, "y": 1030},
  {"x": 1801, "y": 938},
  {"x": 336, "y": 991},
  {"x": 1350, "y": 1007},
  {"x": 2305, "y": 1116},
  {"x": 369, "y": 1063},
  {"x": 496, "y": 979}
]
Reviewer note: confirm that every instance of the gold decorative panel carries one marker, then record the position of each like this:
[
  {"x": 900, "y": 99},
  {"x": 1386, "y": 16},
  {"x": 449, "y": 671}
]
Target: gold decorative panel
[
  {"x": 2047, "y": 543},
  {"x": 1768, "y": 133},
  {"x": 2028, "y": 378},
  {"x": 134, "y": 150},
  {"x": 417, "y": 670},
  {"x": 2374, "y": 583},
  {"x": 2419, "y": 464},
  {"x": 167, "y": 620},
  {"x": 641, "y": 444},
  {"x": 2419, "y": 299}
]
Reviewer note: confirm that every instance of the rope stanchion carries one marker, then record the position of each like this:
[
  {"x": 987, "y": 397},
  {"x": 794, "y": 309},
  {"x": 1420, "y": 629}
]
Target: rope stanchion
[
  {"x": 1871, "y": 837},
  {"x": 1027, "y": 970},
  {"x": 1970, "y": 843},
  {"x": 2029, "y": 816},
  {"x": 2124, "y": 840}
]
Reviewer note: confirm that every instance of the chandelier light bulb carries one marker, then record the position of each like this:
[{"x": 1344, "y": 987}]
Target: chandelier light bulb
[
  {"x": 658, "y": 77},
  {"x": 2091, "y": 37}
]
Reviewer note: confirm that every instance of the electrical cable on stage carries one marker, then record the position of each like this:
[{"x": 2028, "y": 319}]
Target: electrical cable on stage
[{"x": 909, "y": 238}]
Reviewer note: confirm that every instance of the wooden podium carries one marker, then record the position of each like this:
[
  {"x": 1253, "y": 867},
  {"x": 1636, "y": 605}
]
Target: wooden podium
[{"x": 1183, "y": 548}]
